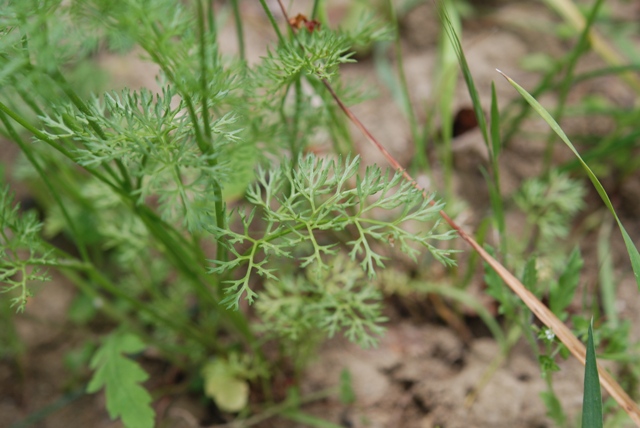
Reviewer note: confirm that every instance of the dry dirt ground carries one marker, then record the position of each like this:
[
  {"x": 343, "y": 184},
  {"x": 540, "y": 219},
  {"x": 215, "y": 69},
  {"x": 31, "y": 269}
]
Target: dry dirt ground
[{"x": 423, "y": 374}]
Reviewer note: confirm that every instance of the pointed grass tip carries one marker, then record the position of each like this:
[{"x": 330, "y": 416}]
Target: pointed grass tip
[{"x": 503, "y": 75}]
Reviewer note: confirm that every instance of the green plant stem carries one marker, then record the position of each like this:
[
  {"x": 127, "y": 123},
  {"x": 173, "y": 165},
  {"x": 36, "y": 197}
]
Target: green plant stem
[
  {"x": 211, "y": 21},
  {"x": 203, "y": 145},
  {"x": 221, "y": 252},
  {"x": 28, "y": 100},
  {"x": 283, "y": 116},
  {"x": 315, "y": 9},
  {"x": 413, "y": 122},
  {"x": 206, "y": 147},
  {"x": 239, "y": 29},
  {"x": 34, "y": 131},
  {"x": 204, "y": 92},
  {"x": 272, "y": 20},
  {"x": 295, "y": 146}
]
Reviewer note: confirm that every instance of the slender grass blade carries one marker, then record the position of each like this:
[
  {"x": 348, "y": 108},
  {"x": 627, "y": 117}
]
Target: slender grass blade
[{"x": 631, "y": 248}]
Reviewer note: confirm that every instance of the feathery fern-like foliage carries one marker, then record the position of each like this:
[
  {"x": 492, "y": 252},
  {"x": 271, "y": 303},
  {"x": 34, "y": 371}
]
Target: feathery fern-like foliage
[
  {"x": 23, "y": 256},
  {"x": 321, "y": 196}
]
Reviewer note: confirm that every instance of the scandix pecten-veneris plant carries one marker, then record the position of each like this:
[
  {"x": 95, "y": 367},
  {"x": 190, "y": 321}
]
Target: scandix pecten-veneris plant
[{"x": 138, "y": 182}]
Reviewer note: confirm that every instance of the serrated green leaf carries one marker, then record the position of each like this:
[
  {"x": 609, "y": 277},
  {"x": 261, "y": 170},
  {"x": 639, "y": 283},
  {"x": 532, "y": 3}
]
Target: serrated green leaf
[
  {"x": 121, "y": 378},
  {"x": 592, "y": 399}
]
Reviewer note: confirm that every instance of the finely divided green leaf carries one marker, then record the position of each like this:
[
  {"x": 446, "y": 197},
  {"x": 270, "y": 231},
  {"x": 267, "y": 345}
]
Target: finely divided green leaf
[
  {"x": 631, "y": 248},
  {"x": 320, "y": 197},
  {"x": 592, "y": 399},
  {"x": 121, "y": 378},
  {"x": 23, "y": 257}
]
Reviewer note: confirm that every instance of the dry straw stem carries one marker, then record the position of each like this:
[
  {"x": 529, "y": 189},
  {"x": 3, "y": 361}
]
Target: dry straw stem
[
  {"x": 571, "y": 14},
  {"x": 543, "y": 313}
]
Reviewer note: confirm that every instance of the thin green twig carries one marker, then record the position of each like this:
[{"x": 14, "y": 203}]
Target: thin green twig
[{"x": 239, "y": 29}]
